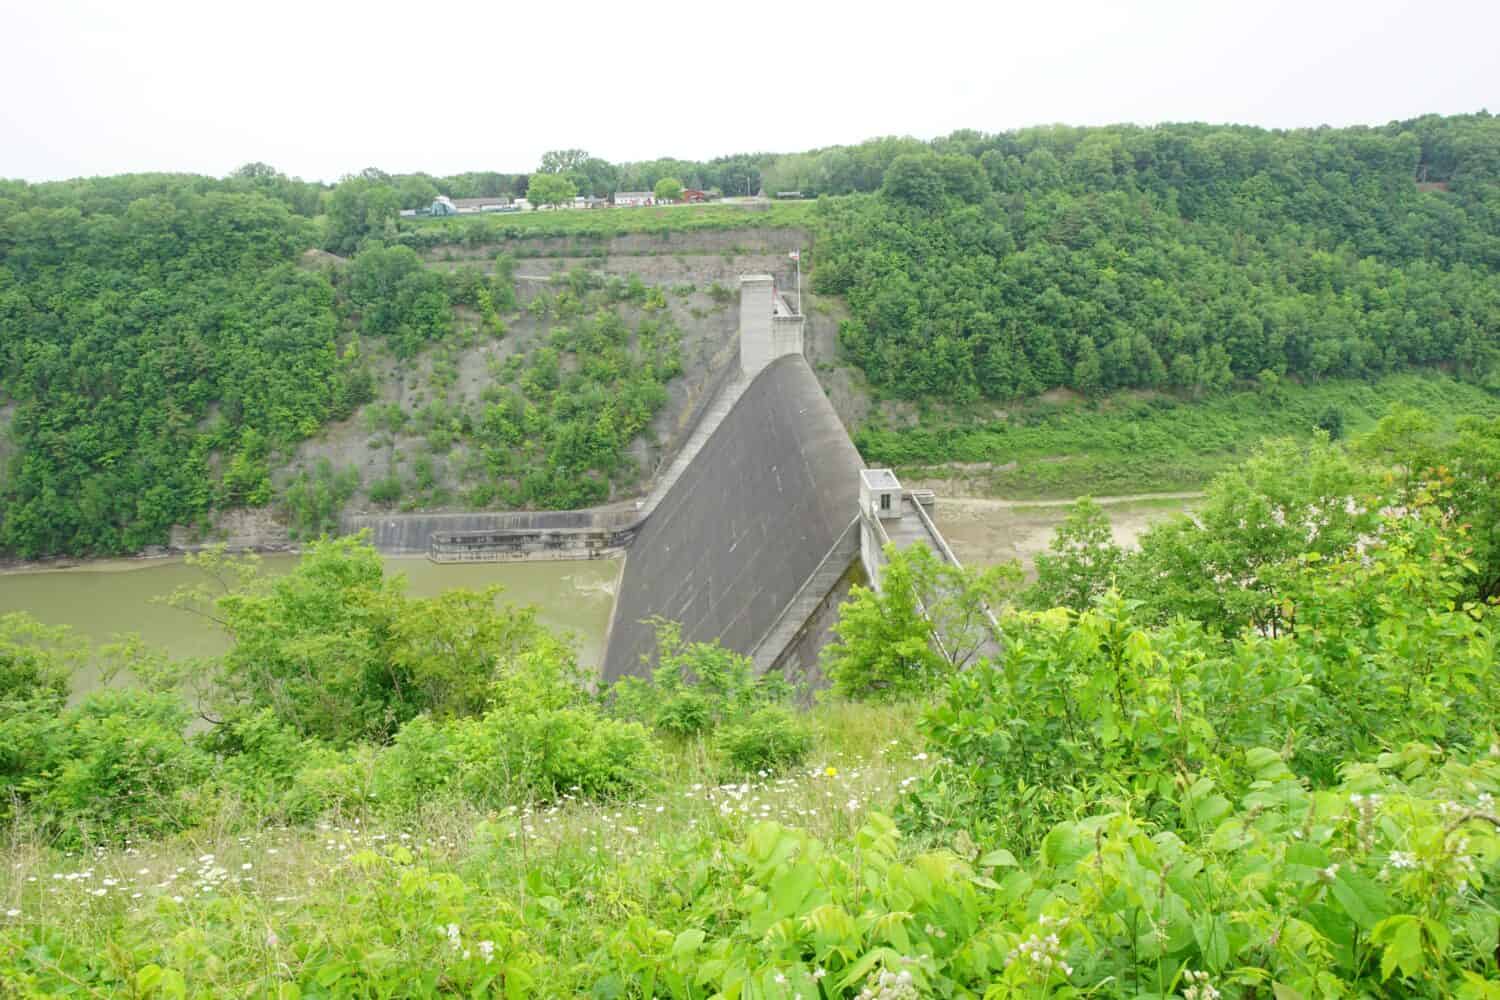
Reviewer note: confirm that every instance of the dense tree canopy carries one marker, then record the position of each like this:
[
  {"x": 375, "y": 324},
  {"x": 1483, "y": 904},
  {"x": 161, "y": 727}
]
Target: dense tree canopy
[
  {"x": 160, "y": 344},
  {"x": 147, "y": 323},
  {"x": 550, "y": 189},
  {"x": 1176, "y": 257}
]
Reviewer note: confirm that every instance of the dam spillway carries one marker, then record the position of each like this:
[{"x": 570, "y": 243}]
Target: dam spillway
[
  {"x": 745, "y": 526},
  {"x": 748, "y": 537}
]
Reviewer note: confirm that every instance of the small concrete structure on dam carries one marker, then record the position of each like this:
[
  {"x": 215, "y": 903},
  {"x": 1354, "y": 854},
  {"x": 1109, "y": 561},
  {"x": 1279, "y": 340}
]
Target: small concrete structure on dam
[{"x": 751, "y": 535}]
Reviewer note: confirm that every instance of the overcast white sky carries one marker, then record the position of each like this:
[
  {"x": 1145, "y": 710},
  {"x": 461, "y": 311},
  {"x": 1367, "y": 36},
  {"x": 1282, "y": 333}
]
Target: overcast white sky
[{"x": 320, "y": 89}]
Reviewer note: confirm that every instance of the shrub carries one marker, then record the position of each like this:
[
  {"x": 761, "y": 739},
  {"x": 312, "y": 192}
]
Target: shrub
[
  {"x": 314, "y": 500},
  {"x": 1080, "y": 563},
  {"x": 515, "y": 755},
  {"x": 1376, "y": 651},
  {"x": 418, "y": 766},
  {"x": 695, "y": 687},
  {"x": 769, "y": 740},
  {"x": 121, "y": 766},
  {"x": 339, "y": 652},
  {"x": 35, "y": 660},
  {"x": 887, "y": 646},
  {"x": 387, "y": 489}
]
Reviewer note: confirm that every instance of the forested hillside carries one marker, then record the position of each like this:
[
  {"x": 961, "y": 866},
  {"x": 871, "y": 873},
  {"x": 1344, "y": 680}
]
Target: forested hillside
[
  {"x": 1177, "y": 257},
  {"x": 145, "y": 323},
  {"x": 163, "y": 352},
  {"x": 167, "y": 342}
]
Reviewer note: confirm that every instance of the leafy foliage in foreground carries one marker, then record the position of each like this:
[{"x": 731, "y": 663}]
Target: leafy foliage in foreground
[
  {"x": 1122, "y": 803},
  {"x": 699, "y": 689},
  {"x": 928, "y": 620}
]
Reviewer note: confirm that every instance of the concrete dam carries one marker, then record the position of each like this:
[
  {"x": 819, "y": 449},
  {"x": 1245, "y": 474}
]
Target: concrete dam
[{"x": 748, "y": 537}]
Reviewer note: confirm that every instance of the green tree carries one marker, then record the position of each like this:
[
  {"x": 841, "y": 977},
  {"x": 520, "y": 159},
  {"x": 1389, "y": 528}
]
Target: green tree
[
  {"x": 1288, "y": 499},
  {"x": 915, "y": 180},
  {"x": 668, "y": 189},
  {"x": 339, "y": 652},
  {"x": 928, "y": 619},
  {"x": 1088, "y": 370},
  {"x": 1081, "y": 562},
  {"x": 563, "y": 161},
  {"x": 550, "y": 189},
  {"x": 1404, "y": 440}
]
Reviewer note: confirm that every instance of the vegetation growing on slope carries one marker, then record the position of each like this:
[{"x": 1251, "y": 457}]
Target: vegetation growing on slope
[
  {"x": 552, "y": 423},
  {"x": 163, "y": 353},
  {"x": 1133, "y": 443},
  {"x": 146, "y": 326},
  {"x": 1124, "y": 802},
  {"x": 1179, "y": 257}
]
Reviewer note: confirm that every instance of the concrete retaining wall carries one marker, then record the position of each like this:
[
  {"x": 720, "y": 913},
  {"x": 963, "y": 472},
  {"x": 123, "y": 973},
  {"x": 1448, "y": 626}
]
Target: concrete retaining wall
[
  {"x": 409, "y": 534},
  {"x": 757, "y": 292},
  {"x": 786, "y": 335}
]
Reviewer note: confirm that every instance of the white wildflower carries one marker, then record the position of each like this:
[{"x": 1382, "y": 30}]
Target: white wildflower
[
  {"x": 487, "y": 950},
  {"x": 1403, "y": 860},
  {"x": 1200, "y": 988}
]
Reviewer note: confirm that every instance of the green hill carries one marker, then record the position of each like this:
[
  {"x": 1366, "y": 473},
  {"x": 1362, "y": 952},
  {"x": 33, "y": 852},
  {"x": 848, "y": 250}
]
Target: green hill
[{"x": 165, "y": 356}]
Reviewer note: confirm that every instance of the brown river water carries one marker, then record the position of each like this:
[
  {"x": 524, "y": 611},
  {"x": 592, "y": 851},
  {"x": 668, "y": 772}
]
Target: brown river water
[{"x": 102, "y": 600}]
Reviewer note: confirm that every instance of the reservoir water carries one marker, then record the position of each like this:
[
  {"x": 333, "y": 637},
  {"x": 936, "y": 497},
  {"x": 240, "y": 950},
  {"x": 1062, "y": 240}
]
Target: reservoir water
[{"x": 104, "y": 599}]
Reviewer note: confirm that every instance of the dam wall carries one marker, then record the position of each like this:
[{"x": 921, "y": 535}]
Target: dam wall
[
  {"x": 417, "y": 534},
  {"x": 737, "y": 536}
]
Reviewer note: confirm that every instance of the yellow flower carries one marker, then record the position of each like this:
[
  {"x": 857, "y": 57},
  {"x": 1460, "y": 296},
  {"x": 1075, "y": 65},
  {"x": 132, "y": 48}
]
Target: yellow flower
[{"x": 832, "y": 772}]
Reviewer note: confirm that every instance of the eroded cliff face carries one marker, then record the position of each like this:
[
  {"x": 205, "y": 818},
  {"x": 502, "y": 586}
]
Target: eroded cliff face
[{"x": 697, "y": 275}]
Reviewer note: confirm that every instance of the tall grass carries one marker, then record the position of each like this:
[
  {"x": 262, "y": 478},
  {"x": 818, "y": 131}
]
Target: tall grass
[
  {"x": 1135, "y": 443},
  {"x": 239, "y": 902}
]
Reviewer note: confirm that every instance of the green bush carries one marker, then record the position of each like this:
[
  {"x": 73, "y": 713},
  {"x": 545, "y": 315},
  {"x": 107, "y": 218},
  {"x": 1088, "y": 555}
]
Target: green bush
[
  {"x": 341, "y": 654},
  {"x": 314, "y": 500},
  {"x": 514, "y": 756},
  {"x": 694, "y": 687},
  {"x": 420, "y": 765},
  {"x": 768, "y": 741},
  {"x": 387, "y": 489},
  {"x": 121, "y": 766},
  {"x": 1376, "y": 649},
  {"x": 928, "y": 619}
]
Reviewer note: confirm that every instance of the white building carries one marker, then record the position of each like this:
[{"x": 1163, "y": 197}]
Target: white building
[{"x": 634, "y": 199}]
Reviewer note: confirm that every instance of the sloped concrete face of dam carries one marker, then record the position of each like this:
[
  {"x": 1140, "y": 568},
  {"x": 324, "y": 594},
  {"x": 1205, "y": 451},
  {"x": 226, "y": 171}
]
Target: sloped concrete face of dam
[{"x": 746, "y": 524}]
